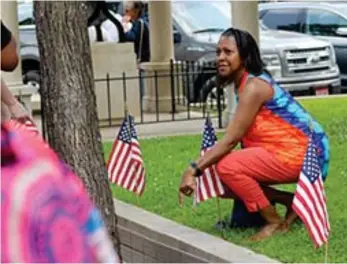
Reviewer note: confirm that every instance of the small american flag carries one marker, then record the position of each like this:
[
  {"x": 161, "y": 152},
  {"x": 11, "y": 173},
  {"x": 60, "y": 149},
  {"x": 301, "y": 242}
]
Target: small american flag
[
  {"x": 140, "y": 174},
  {"x": 309, "y": 200},
  {"x": 125, "y": 164},
  {"x": 208, "y": 185}
]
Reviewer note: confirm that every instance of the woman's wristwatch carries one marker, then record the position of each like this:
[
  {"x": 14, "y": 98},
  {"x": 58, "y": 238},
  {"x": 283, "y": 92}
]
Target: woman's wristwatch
[{"x": 197, "y": 172}]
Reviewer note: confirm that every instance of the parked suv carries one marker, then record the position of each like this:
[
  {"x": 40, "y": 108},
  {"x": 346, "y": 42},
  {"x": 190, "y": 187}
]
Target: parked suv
[{"x": 327, "y": 21}]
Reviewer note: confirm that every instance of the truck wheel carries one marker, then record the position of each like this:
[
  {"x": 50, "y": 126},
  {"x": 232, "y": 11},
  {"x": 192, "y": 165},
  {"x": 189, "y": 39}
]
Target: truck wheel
[
  {"x": 335, "y": 90},
  {"x": 32, "y": 78},
  {"x": 208, "y": 90},
  {"x": 209, "y": 94}
]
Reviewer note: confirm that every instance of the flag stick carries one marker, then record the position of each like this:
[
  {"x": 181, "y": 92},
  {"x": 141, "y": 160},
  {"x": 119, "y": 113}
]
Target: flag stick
[
  {"x": 195, "y": 204},
  {"x": 218, "y": 209},
  {"x": 219, "y": 212},
  {"x": 127, "y": 116},
  {"x": 220, "y": 216},
  {"x": 138, "y": 200},
  {"x": 326, "y": 252},
  {"x": 126, "y": 108}
]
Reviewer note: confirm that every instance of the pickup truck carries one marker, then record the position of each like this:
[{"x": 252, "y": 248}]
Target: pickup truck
[{"x": 324, "y": 20}]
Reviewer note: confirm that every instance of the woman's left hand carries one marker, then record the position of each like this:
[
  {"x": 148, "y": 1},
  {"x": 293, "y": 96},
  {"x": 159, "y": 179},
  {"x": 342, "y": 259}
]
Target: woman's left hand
[
  {"x": 188, "y": 184},
  {"x": 18, "y": 110}
]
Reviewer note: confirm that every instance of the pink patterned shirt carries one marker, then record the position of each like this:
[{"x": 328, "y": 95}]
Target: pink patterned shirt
[{"x": 46, "y": 215}]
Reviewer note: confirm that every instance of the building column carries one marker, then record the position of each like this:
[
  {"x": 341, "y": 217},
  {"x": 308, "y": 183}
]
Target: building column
[
  {"x": 161, "y": 38},
  {"x": 162, "y": 51},
  {"x": 13, "y": 79},
  {"x": 244, "y": 16}
]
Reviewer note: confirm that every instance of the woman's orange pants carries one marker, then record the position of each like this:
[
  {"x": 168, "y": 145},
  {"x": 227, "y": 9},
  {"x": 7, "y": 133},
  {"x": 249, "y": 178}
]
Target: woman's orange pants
[{"x": 244, "y": 170}]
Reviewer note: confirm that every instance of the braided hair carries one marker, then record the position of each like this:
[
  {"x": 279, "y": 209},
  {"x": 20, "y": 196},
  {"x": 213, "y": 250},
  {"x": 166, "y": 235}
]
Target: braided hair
[{"x": 248, "y": 50}]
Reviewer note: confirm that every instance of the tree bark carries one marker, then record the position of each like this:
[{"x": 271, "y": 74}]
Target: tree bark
[{"x": 69, "y": 101}]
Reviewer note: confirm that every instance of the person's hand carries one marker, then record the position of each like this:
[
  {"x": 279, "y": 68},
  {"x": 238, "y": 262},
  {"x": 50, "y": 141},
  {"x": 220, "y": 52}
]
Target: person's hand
[
  {"x": 125, "y": 19},
  {"x": 20, "y": 113},
  {"x": 126, "y": 23},
  {"x": 17, "y": 110},
  {"x": 188, "y": 184}
]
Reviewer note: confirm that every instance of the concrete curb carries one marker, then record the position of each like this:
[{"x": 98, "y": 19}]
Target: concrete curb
[{"x": 147, "y": 237}]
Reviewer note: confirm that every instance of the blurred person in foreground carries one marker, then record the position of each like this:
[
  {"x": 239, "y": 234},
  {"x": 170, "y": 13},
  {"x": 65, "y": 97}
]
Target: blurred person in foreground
[
  {"x": 10, "y": 106},
  {"x": 274, "y": 131},
  {"x": 46, "y": 214}
]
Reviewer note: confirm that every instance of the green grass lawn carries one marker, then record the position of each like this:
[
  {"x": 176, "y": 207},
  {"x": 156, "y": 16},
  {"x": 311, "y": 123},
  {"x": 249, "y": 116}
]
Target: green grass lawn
[{"x": 166, "y": 159}]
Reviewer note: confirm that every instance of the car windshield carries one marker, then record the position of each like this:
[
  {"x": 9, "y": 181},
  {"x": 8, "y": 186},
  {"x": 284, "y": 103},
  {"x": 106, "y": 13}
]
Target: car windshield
[
  {"x": 202, "y": 16},
  {"x": 343, "y": 9},
  {"x": 25, "y": 13},
  {"x": 340, "y": 6}
]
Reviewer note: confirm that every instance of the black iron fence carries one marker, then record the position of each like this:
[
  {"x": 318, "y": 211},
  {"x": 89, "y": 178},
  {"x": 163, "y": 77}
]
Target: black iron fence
[{"x": 182, "y": 91}]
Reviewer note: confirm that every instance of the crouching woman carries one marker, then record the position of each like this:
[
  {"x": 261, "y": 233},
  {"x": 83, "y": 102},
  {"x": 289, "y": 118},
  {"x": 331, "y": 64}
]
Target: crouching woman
[{"x": 273, "y": 129}]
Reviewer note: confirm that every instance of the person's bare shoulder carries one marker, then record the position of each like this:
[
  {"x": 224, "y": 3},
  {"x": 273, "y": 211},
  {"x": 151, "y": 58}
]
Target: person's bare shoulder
[
  {"x": 9, "y": 57},
  {"x": 258, "y": 89}
]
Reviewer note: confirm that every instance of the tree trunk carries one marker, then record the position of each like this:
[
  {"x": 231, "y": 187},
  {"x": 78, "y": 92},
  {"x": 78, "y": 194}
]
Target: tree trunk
[{"x": 69, "y": 101}]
